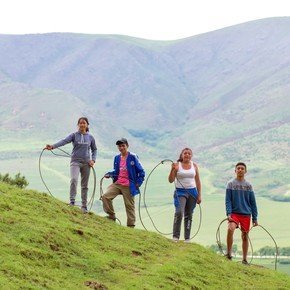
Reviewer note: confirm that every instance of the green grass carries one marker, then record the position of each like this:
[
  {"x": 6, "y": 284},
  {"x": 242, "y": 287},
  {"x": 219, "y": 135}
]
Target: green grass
[
  {"x": 47, "y": 245},
  {"x": 272, "y": 214}
]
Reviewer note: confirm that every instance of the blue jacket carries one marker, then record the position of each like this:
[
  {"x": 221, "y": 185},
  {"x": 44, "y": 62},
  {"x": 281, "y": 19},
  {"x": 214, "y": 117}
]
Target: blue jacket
[{"x": 135, "y": 171}]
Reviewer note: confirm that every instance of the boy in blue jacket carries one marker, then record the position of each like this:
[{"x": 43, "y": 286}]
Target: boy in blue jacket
[
  {"x": 128, "y": 175},
  {"x": 240, "y": 206}
]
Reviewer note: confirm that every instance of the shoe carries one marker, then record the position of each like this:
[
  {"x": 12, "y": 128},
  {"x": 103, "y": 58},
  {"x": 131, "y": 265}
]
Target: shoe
[
  {"x": 187, "y": 241},
  {"x": 72, "y": 203},
  {"x": 175, "y": 240},
  {"x": 84, "y": 209},
  {"x": 245, "y": 262},
  {"x": 229, "y": 257},
  {"x": 111, "y": 218}
]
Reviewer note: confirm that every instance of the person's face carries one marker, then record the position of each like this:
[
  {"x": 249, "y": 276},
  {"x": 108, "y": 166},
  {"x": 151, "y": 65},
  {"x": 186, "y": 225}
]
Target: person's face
[
  {"x": 83, "y": 125},
  {"x": 240, "y": 171},
  {"x": 123, "y": 148},
  {"x": 186, "y": 155}
]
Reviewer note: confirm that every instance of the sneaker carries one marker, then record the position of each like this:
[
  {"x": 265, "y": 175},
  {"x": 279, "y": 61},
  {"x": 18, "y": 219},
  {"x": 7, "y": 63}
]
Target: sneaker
[
  {"x": 229, "y": 257},
  {"x": 72, "y": 203},
  {"x": 187, "y": 240},
  {"x": 175, "y": 240},
  {"x": 84, "y": 209},
  {"x": 245, "y": 262}
]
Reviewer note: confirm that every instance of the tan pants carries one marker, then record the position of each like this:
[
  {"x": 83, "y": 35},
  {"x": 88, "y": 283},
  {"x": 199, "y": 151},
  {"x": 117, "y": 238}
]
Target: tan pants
[{"x": 113, "y": 191}]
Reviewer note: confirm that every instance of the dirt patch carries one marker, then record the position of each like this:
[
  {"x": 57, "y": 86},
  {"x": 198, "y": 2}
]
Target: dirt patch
[
  {"x": 95, "y": 285},
  {"x": 136, "y": 253},
  {"x": 54, "y": 247},
  {"x": 79, "y": 232}
]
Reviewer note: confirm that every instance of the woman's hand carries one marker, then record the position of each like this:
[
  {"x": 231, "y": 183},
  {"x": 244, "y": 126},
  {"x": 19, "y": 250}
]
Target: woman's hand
[
  {"x": 172, "y": 174},
  {"x": 91, "y": 163},
  {"x": 174, "y": 167},
  {"x": 48, "y": 147},
  {"x": 198, "y": 200}
]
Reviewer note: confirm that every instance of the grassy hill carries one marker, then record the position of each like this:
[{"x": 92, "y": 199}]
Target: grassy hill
[{"x": 47, "y": 245}]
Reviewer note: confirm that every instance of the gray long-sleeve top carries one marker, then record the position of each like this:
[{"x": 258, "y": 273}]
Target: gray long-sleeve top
[{"x": 82, "y": 144}]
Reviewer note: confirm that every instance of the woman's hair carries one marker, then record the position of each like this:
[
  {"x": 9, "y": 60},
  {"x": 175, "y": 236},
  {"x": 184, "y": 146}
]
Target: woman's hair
[
  {"x": 180, "y": 156},
  {"x": 86, "y": 120}
]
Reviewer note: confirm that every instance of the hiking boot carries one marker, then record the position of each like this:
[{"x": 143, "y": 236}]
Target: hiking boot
[
  {"x": 229, "y": 257},
  {"x": 84, "y": 209},
  {"x": 245, "y": 262}
]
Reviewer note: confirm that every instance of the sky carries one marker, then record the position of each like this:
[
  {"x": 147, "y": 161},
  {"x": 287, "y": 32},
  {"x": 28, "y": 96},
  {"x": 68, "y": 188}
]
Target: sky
[{"x": 150, "y": 19}]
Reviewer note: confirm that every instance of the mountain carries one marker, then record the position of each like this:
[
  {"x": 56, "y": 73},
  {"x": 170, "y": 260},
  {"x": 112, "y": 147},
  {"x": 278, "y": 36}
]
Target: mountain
[
  {"x": 224, "y": 93},
  {"x": 47, "y": 245}
]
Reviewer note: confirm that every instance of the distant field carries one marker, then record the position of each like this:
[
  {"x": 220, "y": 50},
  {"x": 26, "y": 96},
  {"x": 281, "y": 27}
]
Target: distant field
[
  {"x": 270, "y": 263},
  {"x": 272, "y": 215}
]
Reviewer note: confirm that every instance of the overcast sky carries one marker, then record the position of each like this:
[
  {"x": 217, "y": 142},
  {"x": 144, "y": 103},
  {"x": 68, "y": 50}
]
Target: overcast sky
[{"x": 151, "y": 19}]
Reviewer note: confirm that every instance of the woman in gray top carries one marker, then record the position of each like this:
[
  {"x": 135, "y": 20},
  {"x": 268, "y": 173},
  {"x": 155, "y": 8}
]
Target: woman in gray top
[{"x": 81, "y": 159}]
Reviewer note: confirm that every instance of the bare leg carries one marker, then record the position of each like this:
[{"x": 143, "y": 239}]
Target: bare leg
[
  {"x": 245, "y": 245},
  {"x": 230, "y": 237}
]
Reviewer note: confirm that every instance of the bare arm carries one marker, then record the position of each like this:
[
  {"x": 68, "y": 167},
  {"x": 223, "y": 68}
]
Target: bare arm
[
  {"x": 198, "y": 183},
  {"x": 172, "y": 174}
]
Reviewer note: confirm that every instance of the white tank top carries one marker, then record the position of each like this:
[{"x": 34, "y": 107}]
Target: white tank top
[{"x": 185, "y": 178}]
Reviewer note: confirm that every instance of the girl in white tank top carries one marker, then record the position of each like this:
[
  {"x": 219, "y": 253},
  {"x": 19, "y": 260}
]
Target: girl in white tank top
[
  {"x": 187, "y": 193},
  {"x": 185, "y": 178}
]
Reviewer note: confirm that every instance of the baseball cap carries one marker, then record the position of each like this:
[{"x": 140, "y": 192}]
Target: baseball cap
[{"x": 122, "y": 141}]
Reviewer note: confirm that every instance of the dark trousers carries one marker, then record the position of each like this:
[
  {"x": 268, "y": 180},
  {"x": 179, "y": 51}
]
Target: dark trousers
[{"x": 184, "y": 206}]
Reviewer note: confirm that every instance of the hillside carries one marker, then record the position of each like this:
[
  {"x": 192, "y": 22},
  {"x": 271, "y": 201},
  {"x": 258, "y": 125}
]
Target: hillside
[
  {"x": 224, "y": 93},
  {"x": 47, "y": 245}
]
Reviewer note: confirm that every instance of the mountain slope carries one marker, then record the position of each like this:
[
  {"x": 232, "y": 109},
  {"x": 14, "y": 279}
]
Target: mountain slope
[
  {"x": 240, "y": 76},
  {"x": 99, "y": 69},
  {"x": 47, "y": 245},
  {"x": 224, "y": 93},
  {"x": 158, "y": 87}
]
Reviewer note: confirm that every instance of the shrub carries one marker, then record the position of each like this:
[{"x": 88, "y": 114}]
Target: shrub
[
  {"x": 18, "y": 180},
  {"x": 284, "y": 251},
  {"x": 267, "y": 251},
  {"x": 286, "y": 261}
]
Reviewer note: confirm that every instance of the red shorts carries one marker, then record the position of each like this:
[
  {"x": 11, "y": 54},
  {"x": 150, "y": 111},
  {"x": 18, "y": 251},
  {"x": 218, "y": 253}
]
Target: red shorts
[{"x": 243, "y": 220}]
